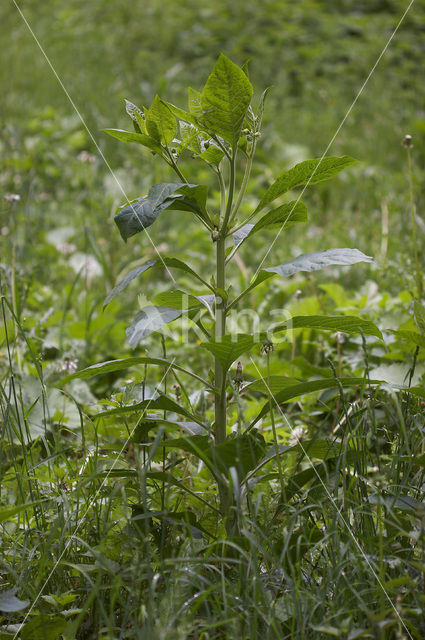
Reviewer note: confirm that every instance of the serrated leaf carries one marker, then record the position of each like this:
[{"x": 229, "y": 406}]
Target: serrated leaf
[
  {"x": 149, "y": 319},
  {"x": 230, "y": 348},
  {"x": 320, "y": 259},
  {"x": 307, "y": 172},
  {"x": 225, "y": 99},
  {"x": 161, "y": 124},
  {"x": 9, "y": 603},
  {"x": 139, "y": 138}
]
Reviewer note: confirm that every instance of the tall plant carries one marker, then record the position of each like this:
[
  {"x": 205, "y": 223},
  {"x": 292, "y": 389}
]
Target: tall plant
[{"x": 220, "y": 128}]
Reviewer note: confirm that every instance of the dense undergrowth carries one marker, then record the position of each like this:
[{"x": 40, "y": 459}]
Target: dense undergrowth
[{"x": 106, "y": 531}]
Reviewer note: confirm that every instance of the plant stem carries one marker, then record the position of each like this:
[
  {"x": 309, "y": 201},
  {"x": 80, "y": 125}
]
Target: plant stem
[
  {"x": 413, "y": 223},
  {"x": 220, "y": 302},
  {"x": 220, "y": 330},
  {"x": 276, "y": 442}
]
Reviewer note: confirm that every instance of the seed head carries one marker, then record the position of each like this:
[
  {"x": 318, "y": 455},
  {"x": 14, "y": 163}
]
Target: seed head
[
  {"x": 266, "y": 347},
  {"x": 407, "y": 141}
]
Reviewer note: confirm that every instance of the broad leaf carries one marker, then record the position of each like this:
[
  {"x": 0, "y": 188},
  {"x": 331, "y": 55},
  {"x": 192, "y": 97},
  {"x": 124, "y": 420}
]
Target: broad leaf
[
  {"x": 137, "y": 116},
  {"x": 143, "y": 428},
  {"x": 8, "y": 512},
  {"x": 149, "y": 319},
  {"x": 163, "y": 262},
  {"x": 305, "y": 173},
  {"x": 411, "y": 336},
  {"x": 177, "y": 299},
  {"x": 242, "y": 233},
  {"x": 419, "y": 312},
  {"x": 195, "y": 102},
  {"x": 283, "y": 217},
  {"x": 9, "y": 603},
  {"x": 212, "y": 155},
  {"x": 159, "y": 403},
  {"x": 346, "y": 324},
  {"x": 43, "y": 627},
  {"x": 124, "y": 363},
  {"x": 302, "y": 388},
  {"x": 318, "y": 260},
  {"x": 140, "y": 138},
  {"x": 127, "y": 279},
  {"x": 230, "y": 348},
  {"x": 225, "y": 99},
  {"x": 160, "y": 122},
  {"x": 182, "y": 115},
  {"x": 142, "y": 213}
]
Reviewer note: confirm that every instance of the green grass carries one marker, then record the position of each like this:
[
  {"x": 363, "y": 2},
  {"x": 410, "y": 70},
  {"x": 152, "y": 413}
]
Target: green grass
[{"x": 100, "y": 551}]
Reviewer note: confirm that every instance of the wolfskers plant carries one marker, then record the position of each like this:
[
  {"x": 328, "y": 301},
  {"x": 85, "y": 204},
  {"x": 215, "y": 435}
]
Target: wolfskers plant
[{"x": 221, "y": 129}]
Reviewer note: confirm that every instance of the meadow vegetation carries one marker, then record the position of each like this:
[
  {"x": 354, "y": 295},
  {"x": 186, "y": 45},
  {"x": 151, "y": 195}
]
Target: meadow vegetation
[{"x": 250, "y": 462}]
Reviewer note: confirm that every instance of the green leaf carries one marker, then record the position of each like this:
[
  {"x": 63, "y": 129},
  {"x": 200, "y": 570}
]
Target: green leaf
[
  {"x": 283, "y": 217},
  {"x": 163, "y": 262},
  {"x": 273, "y": 385},
  {"x": 346, "y": 324},
  {"x": 411, "y": 336},
  {"x": 160, "y": 403},
  {"x": 301, "y": 388},
  {"x": 225, "y": 99},
  {"x": 182, "y": 115},
  {"x": 230, "y": 348},
  {"x": 142, "y": 213},
  {"x": 193, "y": 198},
  {"x": 137, "y": 116},
  {"x": 177, "y": 299},
  {"x": 8, "y": 512},
  {"x": 149, "y": 319},
  {"x": 124, "y": 363},
  {"x": 160, "y": 122},
  {"x": 242, "y": 452},
  {"x": 405, "y": 503},
  {"x": 419, "y": 312},
  {"x": 9, "y": 603},
  {"x": 212, "y": 155},
  {"x": 43, "y": 627},
  {"x": 127, "y": 279},
  {"x": 318, "y": 260},
  {"x": 140, "y": 138},
  {"x": 143, "y": 428},
  {"x": 195, "y": 102},
  {"x": 308, "y": 172}
]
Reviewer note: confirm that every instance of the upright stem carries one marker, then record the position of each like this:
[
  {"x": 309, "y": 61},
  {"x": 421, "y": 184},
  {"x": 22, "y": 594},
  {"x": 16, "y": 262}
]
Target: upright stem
[
  {"x": 220, "y": 330},
  {"x": 413, "y": 223},
  {"x": 220, "y": 302}
]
